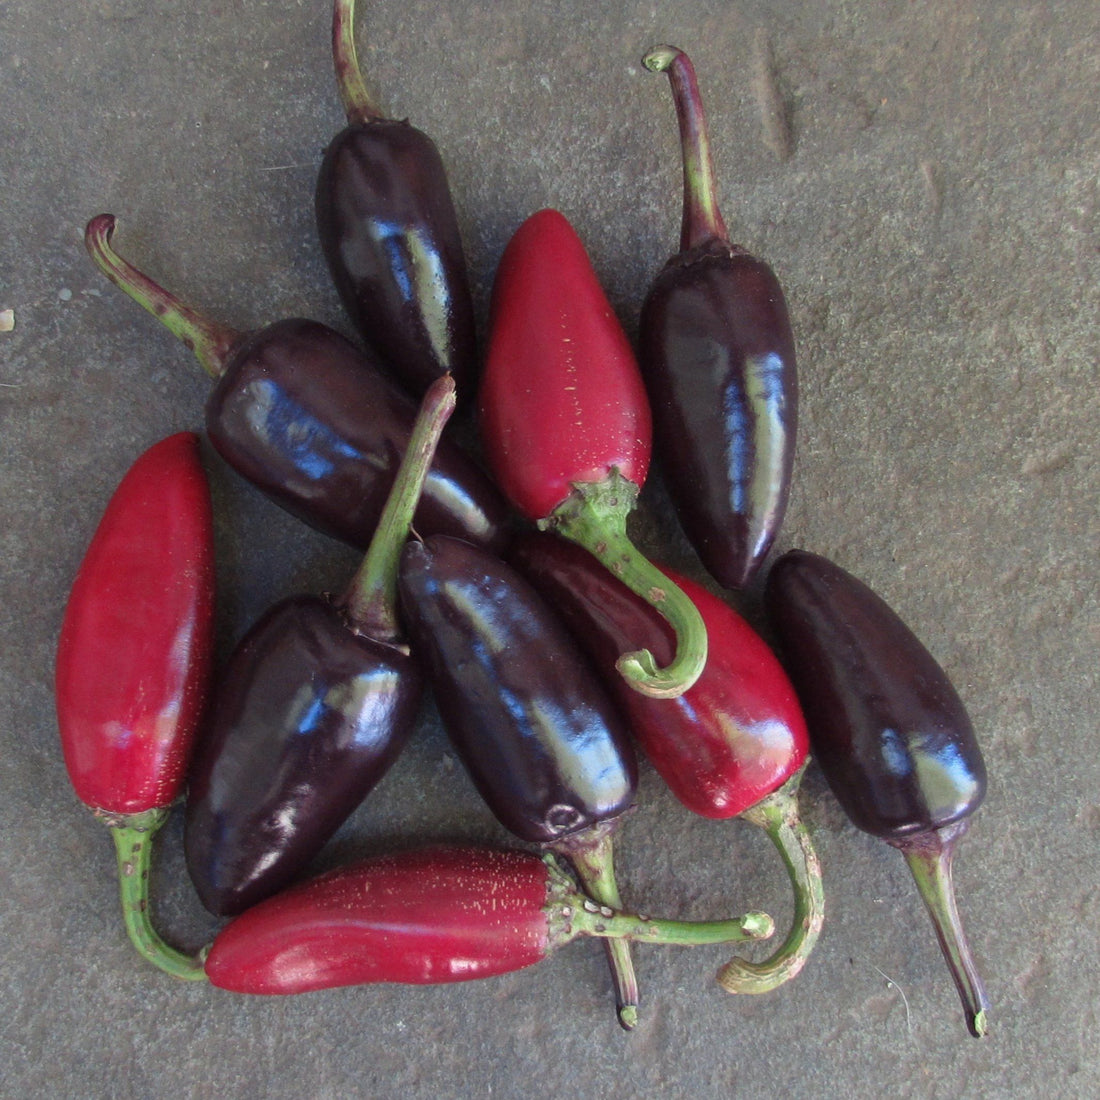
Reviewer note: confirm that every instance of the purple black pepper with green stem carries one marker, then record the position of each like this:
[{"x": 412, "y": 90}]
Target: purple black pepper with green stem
[
  {"x": 717, "y": 354},
  {"x": 890, "y": 733}
]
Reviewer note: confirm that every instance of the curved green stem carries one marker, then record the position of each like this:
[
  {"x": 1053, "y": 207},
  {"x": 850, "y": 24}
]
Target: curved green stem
[
  {"x": 930, "y": 857},
  {"x": 702, "y": 220},
  {"x": 212, "y": 343},
  {"x": 371, "y": 598},
  {"x": 358, "y": 104},
  {"x": 133, "y": 836},
  {"x": 778, "y": 816},
  {"x": 595, "y": 867},
  {"x": 594, "y": 516}
]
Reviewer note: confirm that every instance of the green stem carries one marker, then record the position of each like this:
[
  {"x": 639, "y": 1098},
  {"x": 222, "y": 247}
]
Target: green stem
[
  {"x": 702, "y": 220},
  {"x": 930, "y": 857},
  {"x": 212, "y": 343},
  {"x": 594, "y": 516},
  {"x": 358, "y": 104},
  {"x": 572, "y": 915},
  {"x": 778, "y": 816},
  {"x": 133, "y": 836},
  {"x": 594, "y": 863},
  {"x": 371, "y": 599}
]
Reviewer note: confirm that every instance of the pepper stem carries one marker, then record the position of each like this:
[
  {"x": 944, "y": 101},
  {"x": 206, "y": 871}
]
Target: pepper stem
[
  {"x": 572, "y": 915},
  {"x": 595, "y": 866},
  {"x": 702, "y": 220},
  {"x": 778, "y": 816},
  {"x": 930, "y": 856},
  {"x": 594, "y": 516},
  {"x": 371, "y": 599},
  {"x": 211, "y": 342},
  {"x": 358, "y": 104},
  {"x": 133, "y": 834}
]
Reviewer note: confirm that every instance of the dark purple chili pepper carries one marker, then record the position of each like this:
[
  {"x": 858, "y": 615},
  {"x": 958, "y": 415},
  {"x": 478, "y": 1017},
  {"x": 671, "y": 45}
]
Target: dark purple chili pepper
[
  {"x": 390, "y": 235},
  {"x": 718, "y": 357},
  {"x": 540, "y": 737},
  {"x": 890, "y": 733},
  {"x": 311, "y": 420},
  {"x": 316, "y": 703}
]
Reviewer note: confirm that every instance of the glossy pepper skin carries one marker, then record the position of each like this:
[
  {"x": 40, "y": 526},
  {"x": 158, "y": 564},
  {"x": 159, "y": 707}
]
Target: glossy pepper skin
[
  {"x": 535, "y": 729},
  {"x": 133, "y": 658},
  {"x": 735, "y": 736},
  {"x": 311, "y": 420},
  {"x": 390, "y": 236},
  {"x": 890, "y": 732},
  {"x": 434, "y": 915},
  {"x": 717, "y": 352},
  {"x": 734, "y": 744},
  {"x": 307, "y": 418},
  {"x": 133, "y": 664},
  {"x": 308, "y": 718},
  {"x": 539, "y": 735},
  {"x": 566, "y": 423},
  {"x": 314, "y": 707}
]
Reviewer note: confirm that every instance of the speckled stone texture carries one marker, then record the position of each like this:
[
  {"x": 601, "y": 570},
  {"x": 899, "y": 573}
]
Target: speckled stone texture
[{"x": 922, "y": 177}]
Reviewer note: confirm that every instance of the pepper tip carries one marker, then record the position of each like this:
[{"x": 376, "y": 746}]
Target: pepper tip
[{"x": 659, "y": 58}]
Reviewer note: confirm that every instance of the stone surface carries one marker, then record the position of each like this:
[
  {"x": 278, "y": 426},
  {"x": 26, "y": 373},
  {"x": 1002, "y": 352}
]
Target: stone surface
[{"x": 923, "y": 178}]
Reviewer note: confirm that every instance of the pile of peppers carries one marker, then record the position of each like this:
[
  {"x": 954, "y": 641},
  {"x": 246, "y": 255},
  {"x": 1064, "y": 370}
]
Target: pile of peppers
[{"x": 510, "y": 590}]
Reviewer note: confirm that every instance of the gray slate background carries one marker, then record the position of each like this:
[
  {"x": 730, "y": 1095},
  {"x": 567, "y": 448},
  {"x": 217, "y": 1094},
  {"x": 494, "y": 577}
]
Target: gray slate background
[{"x": 922, "y": 176}]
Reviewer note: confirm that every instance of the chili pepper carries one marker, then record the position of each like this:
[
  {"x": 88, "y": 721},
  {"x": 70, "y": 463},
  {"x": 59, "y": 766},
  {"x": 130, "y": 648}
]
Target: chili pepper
[
  {"x": 566, "y": 423},
  {"x": 890, "y": 732},
  {"x": 426, "y": 916},
  {"x": 390, "y": 235},
  {"x": 311, "y": 420},
  {"x": 133, "y": 661},
  {"x": 718, "y": 358},
  {"x": 733, "y": 745},
  {"x": 527, "y": 717},
  {"x": 315, "y": 705}
]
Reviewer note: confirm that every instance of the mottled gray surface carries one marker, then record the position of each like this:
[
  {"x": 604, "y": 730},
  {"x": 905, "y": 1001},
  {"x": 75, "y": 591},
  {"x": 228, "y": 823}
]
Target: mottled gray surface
[{"x": 923, "y": 177}]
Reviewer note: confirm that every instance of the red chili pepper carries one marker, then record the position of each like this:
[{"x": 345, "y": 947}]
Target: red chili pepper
[
  {"x": 566, "y": 424},
  {"x": 734, "y": 744},
  {"x": 133, "y": 662},
  {"x": 430, "y": 916}
]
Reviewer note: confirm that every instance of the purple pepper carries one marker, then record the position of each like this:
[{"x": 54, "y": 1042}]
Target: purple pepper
[
  {"x": 717, "y": 353},
  {"x": 312, "y": 421},
  {"x": 390, "y": 236},
  {"x": 541, "y": 738},
  {"x": 890, "y": 732},
  {"x": 314, "y": 706}
]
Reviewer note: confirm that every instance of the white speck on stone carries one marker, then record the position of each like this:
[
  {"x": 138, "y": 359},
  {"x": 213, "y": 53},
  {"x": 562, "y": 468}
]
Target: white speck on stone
[
  {"x": 7, "y": 320},
  {"x": 65, "y": 294}
]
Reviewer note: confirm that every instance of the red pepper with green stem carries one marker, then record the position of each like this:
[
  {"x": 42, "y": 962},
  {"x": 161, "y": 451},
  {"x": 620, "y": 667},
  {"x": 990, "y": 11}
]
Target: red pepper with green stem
[
  {"x": 566, "y": 424},
  {"x": 430, "y": 916},
  {"x": 132, "y": 665},
  {"x": 315, "y": 705},
  {"x": 390, "y": 235},
  {"x": 717, "y": 354},
  {"x": 733, "y": 745}
]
